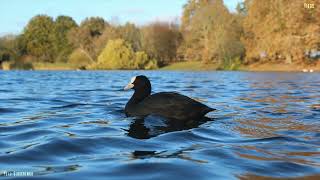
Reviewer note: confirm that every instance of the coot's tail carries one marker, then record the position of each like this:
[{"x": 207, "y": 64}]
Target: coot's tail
[{"x": 207, "y": 109}]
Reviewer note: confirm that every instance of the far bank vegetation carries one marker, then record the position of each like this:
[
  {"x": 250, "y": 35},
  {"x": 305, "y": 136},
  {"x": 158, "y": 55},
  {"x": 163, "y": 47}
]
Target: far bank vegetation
[{"x": 259, "y": 31}]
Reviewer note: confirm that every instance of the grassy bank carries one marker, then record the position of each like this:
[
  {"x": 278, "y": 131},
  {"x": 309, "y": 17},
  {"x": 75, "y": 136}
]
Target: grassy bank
[
  {"x": 198, "y": 66},
  {"x": 280, "y": 67},
  {"x": 53, "y": 66},
  {"x": 36, "y": 66},
  {"x": 191, "y": 66}
]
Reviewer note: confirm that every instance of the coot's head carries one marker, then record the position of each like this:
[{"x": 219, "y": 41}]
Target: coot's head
[{"x": 139, "y": 84}]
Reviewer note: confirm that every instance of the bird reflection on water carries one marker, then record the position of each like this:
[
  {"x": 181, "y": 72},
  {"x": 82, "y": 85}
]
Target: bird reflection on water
[{"x": 140, "y": 128}]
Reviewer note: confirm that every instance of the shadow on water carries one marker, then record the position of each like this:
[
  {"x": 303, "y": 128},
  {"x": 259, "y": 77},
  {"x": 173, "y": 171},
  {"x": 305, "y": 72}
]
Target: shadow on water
[{"x": 141, "y": 128}]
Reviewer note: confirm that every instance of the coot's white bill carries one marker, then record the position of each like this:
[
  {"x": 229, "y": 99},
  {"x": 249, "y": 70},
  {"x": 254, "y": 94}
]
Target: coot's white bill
[{"x": 130, "y": 85}]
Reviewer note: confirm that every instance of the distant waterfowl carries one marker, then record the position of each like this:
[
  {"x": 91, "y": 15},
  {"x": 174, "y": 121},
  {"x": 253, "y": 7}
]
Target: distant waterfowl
[
  {"x": 306, "y": 70},
  {"x": 315, "y": 106},
  {"x": 165, "y": 104}
]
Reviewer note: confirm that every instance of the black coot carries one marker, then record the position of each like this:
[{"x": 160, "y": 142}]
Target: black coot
[{"x": 165, "y": 104}]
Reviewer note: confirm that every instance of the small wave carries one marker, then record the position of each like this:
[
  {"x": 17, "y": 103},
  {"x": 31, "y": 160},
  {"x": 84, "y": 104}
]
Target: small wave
[
  {"x": 11, "y": 110},
  {"x": 32, "y": 134},
  {"x": 73, "y": 105}
]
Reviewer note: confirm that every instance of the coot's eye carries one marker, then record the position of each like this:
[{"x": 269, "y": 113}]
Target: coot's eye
[{"x": 133, "y": 79}]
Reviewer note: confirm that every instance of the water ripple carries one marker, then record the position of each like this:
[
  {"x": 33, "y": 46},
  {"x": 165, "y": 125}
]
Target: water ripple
[{"x": 71, "y": 125}]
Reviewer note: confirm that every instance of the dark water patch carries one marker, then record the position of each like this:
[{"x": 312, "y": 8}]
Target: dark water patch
[
  {"x": 85, "y": 90},
  {"x": 58, "y": 101},
  {"x": 153, "y": 126},
  {"x": 57, "y": 148},
  {"x": 5, "y": 91},
  {"x": 72, "y": 105},
  {"x": 31, "y": 99},
  {"x": 11, "y": 110},
  {"x": 89, "y": 130},
  {"x": 138, "y": 170},
  {"x": 18, "y": 157}
]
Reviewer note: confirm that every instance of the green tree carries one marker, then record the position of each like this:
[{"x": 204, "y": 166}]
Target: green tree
[
  {"x": 130, "y": 33},
  {"x": 63, "y": 47},
  {"x": 95, "y": 25},
  {"x": 109, "y": 33},
  {"x": 87, "y": 34},
  {"x": 80, "y": 59},
  {"x": 8, "y": 48},
  {"x": 117, "y": 54},
  {"x": 142, "y": 61},
  {"x": 39, "y": 38}
]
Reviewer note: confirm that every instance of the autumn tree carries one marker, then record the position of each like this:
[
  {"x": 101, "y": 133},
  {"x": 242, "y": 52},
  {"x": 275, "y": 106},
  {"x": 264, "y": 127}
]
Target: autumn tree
[
  {"x": 242, "y": 8},
  {"x": 160, "y": 40},
  {"x": 190, "y": 48},
  {"x": 281, "y": 31},
  {"x": 210, "y": 32}
]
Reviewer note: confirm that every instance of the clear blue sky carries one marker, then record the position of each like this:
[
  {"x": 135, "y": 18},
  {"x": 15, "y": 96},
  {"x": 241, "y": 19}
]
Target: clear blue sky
[{"x": 15, "y": 14}]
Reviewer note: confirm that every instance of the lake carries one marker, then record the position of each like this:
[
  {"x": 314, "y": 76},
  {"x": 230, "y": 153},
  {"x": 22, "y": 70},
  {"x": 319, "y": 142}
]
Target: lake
[{"x": 71, "y": 125}]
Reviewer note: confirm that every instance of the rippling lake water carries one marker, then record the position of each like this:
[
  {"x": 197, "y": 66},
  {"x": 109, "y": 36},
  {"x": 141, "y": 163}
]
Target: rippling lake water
[{"x": 71, "y": 125}]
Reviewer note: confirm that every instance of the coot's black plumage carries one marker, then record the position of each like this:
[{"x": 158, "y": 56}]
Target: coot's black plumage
[{"x": 166, "y": 104}]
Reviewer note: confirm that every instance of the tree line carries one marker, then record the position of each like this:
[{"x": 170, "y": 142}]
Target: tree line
[{"x": 277, "y": 31}]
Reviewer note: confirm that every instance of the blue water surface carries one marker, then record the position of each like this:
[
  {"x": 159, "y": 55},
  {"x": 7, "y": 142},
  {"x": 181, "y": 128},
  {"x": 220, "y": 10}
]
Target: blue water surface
[{"x": 71, "y": 125}]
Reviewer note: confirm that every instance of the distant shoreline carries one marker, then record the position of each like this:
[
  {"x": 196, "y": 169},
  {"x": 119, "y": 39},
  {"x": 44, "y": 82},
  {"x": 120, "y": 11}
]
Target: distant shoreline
[
  {"x": 192, "y": 66},
  {"x": 267, "y": 67},
  {"x": 257, "y": 67}
]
